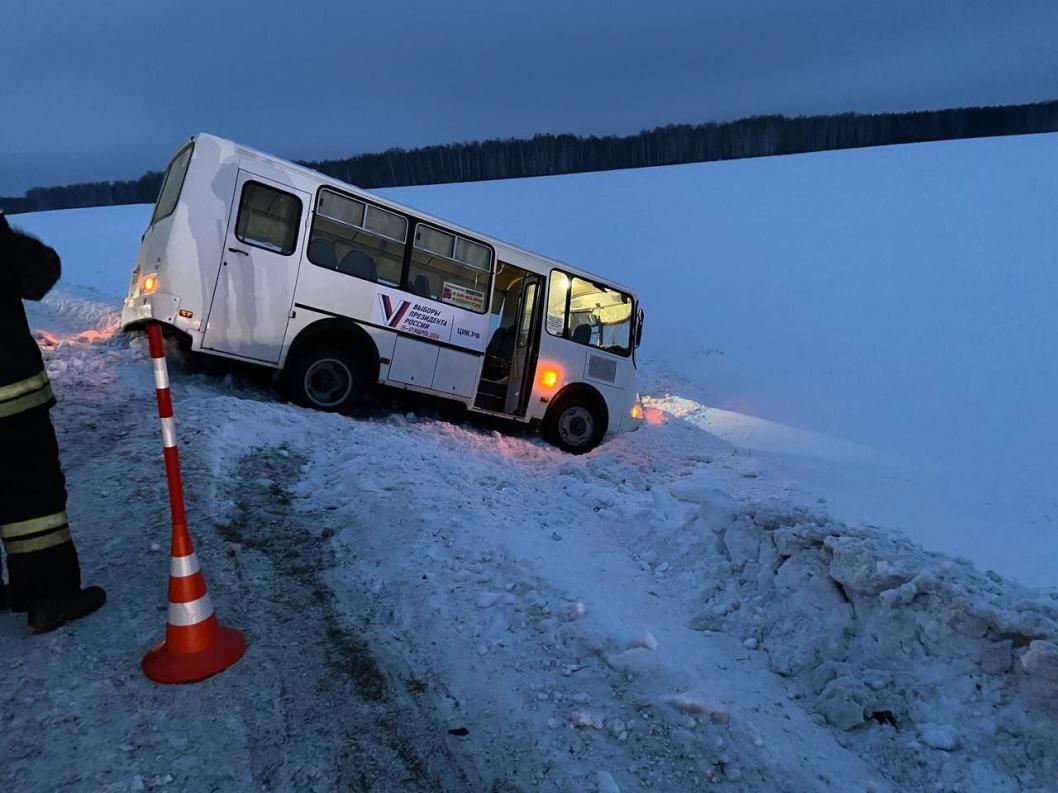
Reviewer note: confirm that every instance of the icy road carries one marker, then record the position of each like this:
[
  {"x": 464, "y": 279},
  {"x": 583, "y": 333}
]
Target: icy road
[{"x": 433, "y": 606}]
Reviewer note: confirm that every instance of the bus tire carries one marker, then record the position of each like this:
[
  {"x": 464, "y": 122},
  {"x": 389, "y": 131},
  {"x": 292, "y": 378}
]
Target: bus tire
[
  {"x": 574, "y": 424},
  {"x": 326, "y": 377}
]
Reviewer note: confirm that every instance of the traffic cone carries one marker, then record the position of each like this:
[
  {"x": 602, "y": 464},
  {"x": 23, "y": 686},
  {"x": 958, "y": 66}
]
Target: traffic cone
[{"x": 196, "y": 646}]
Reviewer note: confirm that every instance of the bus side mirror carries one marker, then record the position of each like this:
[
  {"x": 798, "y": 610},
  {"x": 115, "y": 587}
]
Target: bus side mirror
[{"x": 639, "y": 328}]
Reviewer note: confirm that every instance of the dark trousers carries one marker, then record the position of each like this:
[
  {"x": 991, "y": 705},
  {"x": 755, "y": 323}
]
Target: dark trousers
[{"x": 41, "y": 559}]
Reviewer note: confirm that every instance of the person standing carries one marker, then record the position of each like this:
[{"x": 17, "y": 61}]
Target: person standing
[{"x": 44, "y": 574}]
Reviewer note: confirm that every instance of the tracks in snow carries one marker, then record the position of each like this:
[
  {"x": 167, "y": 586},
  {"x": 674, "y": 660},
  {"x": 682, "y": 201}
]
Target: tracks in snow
[{"x": 329, "y": 714}]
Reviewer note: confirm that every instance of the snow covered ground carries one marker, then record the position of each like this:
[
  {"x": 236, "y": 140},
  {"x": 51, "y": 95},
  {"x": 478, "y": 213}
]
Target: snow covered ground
[
  {"x": 902, "y": 298},
  {"x": 438, "y": 606},
  {"x": 897, "y": 302}
]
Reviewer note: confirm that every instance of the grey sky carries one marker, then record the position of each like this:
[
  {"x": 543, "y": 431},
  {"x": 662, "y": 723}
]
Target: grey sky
[{"x": 107, "y": 90}]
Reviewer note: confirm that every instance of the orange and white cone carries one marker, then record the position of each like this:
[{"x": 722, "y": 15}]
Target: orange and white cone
[{"x": 196, "y": 646}]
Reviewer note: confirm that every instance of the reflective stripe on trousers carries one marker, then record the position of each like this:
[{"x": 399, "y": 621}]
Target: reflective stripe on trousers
[
  {"x": 35, "y": 534},
  {"x": 25, "y": 394}
]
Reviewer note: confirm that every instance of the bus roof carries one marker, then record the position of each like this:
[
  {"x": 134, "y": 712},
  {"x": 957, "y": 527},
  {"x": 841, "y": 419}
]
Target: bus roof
[{"x": 546, "y": 262}]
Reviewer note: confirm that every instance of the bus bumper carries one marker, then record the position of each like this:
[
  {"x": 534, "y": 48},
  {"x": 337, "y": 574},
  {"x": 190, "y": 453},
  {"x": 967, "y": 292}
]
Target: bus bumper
[
  {"x": 158, "y": 306},
  {"x": 635, "y": 417}
]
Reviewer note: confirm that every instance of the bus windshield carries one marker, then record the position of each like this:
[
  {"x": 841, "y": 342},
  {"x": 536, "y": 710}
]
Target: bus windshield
[
  {"x": 171, "y": 184},
  {"x": 589, "y": 313}
]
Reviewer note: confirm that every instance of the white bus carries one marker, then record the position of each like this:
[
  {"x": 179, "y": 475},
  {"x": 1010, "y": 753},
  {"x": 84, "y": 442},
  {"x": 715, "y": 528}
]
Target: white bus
[{"x": 261, "y": 260}]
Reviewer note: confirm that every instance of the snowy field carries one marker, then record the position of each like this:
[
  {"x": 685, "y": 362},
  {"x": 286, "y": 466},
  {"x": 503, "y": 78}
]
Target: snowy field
[
  {"x": 902, "y": 298},
  {"x": 836, "y": 342}
]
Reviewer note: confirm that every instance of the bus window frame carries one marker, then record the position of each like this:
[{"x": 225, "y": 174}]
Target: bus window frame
[
  {"x": 569, "y": 297},
  {"x": 456, "y": 235},
  {"x": 155, "y": 217},
  {"x": 297, "y": 224},
  {"x": 409, "y": 247},
  {"x": 362, "y": 228}
]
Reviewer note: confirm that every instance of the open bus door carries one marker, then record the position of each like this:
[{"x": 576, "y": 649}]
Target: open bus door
[
  {"x": 525, "y": 346},
  {"x": 510, "y": 356}
]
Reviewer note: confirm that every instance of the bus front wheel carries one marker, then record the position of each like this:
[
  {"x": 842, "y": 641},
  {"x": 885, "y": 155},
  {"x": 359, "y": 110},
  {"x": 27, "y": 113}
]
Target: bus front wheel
[
  {"x": 575, "y": 425},
  {"x": 328, "y": 378}
]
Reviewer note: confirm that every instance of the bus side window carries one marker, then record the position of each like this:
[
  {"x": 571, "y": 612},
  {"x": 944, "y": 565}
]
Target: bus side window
[
  {"x": 526, "y": 322},
  {"x": 172, "y": 184},
  {"x": 557, "y": 295},
  {"x": 268, "y": 218},
  {"x": 357, "y": 239},
  {"x": 450, "y": 268}
]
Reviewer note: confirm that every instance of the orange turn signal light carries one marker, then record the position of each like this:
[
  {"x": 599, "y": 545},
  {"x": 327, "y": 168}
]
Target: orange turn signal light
[
  {"x": 549, "y": 378},
  {"x": 149, "y": 284}
]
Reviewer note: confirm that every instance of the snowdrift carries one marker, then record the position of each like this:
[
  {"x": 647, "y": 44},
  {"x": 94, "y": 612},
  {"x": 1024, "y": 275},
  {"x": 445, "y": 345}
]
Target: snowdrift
[{"x": 872, "y": 629}]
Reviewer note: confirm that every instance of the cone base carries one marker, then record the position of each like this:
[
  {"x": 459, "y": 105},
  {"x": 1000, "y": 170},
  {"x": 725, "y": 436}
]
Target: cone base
[{"x": 162, "y": 665}]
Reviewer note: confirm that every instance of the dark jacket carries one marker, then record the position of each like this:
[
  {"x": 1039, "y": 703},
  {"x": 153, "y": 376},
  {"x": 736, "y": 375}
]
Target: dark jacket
[{"x": 28, "y": 269}]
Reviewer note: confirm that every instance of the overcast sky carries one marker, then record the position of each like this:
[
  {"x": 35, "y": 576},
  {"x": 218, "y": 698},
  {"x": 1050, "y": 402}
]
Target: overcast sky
[{"x": 108, "y": 90}]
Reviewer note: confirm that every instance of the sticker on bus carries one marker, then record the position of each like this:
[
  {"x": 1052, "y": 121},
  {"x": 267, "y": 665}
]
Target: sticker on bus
[
  {"x": 463, "y": 296},
  {"x": 434, "y": 322}
]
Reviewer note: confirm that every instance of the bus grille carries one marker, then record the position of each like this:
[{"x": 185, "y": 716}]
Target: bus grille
[{"x": 600, "y": 368}]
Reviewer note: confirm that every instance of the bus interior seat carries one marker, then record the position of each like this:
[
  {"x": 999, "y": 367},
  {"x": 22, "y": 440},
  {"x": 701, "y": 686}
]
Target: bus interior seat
[
  {"x": 498, "y": 341},
  {"x": 321, "y": 252},
  {"x": 582, "y": 333},
  {"x": 359, "y": 264},
  {"x": 498, "y": 354},
  {"x": 507, "y": 345},
  {"x": 421, "y": 286}
]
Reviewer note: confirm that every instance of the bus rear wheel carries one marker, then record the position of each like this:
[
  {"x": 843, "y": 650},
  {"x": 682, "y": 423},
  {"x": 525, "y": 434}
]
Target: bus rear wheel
[
  {"x": 575, "y": 425},
  {"x": 328, "y": 378}
]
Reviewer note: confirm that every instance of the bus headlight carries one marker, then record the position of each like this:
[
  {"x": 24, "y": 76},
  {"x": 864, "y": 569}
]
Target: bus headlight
[{"x": 637, "y": 411}]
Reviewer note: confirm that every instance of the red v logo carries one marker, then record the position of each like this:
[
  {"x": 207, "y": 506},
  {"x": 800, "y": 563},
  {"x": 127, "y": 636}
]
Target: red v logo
[{"x": 393, "y": 314}]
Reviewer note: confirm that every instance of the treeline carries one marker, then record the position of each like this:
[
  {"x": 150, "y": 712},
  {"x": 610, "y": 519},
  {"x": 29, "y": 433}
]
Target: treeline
[
  {"x": 545, "y": 155},
  {"x": 87, "y": 194}
]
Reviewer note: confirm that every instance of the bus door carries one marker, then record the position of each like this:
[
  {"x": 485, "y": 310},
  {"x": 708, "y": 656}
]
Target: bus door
[
  {"x": 526, "y": 342},
  {"x": 259, "y": 268},
  {"x": 510, "y": 355}
]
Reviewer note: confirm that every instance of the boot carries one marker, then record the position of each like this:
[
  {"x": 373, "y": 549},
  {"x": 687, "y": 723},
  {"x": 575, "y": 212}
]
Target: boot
[
  {"x": 10, "y": 600},
  {"x": 48, "y": 615}
]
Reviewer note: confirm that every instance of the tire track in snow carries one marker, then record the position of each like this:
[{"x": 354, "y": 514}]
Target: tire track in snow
[{"x": 316, "y": 658}]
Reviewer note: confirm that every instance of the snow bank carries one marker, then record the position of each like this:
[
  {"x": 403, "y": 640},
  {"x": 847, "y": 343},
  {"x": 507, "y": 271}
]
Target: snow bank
[
  {"x": 880, "y": 637},
  {"x": 629, "y": 605}
]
